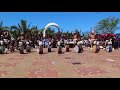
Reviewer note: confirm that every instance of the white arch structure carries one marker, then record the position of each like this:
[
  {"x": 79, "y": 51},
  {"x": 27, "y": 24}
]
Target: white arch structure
[{"x": 48, "y": 25}]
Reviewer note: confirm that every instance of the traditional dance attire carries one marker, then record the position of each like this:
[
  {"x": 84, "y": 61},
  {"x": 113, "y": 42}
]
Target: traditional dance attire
[
  {"x": 59, "y": 47},
  {"x": 40, "y": 47},
  {"x": 67, "y": 46},
  {"x": 28, "y": 46}
]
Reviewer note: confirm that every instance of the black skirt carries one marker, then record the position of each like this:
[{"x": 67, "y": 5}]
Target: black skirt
[{"x": 116, "y": 45}]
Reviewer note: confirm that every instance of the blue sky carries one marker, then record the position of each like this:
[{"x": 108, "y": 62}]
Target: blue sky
[{"x": 66, "y": 20}]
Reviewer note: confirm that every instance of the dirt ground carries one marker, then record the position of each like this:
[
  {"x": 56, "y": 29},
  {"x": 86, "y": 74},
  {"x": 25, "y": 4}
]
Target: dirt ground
[{"x": 66, "y": 65}]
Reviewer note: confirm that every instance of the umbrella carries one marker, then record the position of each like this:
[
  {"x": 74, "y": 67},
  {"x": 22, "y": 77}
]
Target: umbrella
[
  {"x": 104, "y": 34},
  {"x": 112, "y": 35},
  {"x": 108, "y": 34}
]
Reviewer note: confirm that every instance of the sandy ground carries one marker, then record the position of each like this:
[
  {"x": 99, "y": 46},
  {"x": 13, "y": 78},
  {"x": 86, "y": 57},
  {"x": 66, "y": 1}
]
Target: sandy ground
[{"x": 66, "y": 65}]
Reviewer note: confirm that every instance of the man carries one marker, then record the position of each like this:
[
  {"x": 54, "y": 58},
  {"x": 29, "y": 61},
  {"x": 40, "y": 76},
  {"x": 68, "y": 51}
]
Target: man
[
  {"x": 40, "y": 47},
  {"x": 2, "y": 48},
  {"x": 43, "y": 41},
  {"x": 116, "y": 46},
  {"x": 21, "y": 43},
  {"x": 113, "y": 42},
  {"x": 46, "y": 43},
  {"x": 67, "y": 46},
  {"x": 92, "y": 38},
  {"x": 59, "y": 47},
  {"x": 12, "y": 44}
]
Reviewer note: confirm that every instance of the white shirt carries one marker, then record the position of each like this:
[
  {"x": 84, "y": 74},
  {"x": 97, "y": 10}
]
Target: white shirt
[{"x": 40, "y": 43}]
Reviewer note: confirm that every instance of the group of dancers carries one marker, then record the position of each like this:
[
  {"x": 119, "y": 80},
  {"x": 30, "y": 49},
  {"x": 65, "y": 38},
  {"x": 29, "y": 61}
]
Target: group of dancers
[{"x": 8, "y": 43}]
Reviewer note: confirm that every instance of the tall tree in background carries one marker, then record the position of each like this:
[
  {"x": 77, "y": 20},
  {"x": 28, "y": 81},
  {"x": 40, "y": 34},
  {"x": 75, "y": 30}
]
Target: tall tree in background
[
  {"x": 15, "y": 32},
  {"x": 22, "y": 27},
  {"x": 86, "y": 34},
  {"x": 50, "y": 32},
  {"x": 3, "y": 27},
  {"x": 34, "y": 31},
  {"x": 108, "y": 25}
]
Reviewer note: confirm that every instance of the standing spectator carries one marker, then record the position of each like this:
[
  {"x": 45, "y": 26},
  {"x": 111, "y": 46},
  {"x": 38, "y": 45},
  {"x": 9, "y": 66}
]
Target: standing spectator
[
  {"x": 46, "y": 42},
  {"x": 116, "y": 44},
  {"x": 43, "y": 42},
  {"x": 113, "y": 42}
]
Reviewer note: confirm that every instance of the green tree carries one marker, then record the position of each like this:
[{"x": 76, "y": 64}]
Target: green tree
[
  {"x": 50, "y": 32},
  {"x": 34, "y": 31},
  {"x": 108, "y": 25},
  {"x": 85, "y": 34},
  {"x": 22, "y": 27},
  {"x": 3, "y": 27},
  {"x": 14, "y": 32}
]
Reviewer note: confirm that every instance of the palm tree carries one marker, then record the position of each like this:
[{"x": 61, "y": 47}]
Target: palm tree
[
  {"x": 50, "y": 32},
  {"x": 22, "y": 27},
  {"x": 14, "y": 32},
  {"x": 3, "y": 27},
  {"x": 34, "y": 32}
]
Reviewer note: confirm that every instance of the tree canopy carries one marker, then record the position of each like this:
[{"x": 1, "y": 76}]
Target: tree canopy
[{"x": 108, "y": 25}]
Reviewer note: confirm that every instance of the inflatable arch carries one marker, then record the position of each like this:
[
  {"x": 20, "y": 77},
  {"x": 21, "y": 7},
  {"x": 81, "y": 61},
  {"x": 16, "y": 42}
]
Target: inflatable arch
[{"x": 48, "y": 25}]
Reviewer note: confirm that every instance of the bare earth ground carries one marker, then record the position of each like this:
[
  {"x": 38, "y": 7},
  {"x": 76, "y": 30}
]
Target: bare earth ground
[{"x": 66, "y": 65}]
